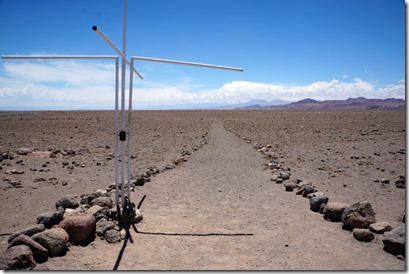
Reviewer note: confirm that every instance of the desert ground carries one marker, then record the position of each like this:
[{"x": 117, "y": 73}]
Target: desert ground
[{"x": 218, "y": 209}]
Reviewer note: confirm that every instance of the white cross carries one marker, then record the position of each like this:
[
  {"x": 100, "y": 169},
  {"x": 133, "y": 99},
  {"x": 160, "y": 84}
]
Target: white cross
[{"x": 120, "y": 135}]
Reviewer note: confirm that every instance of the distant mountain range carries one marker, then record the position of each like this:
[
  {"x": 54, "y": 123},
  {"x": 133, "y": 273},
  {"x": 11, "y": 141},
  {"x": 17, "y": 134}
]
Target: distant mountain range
[
  {"x": 359, "y": 103},
  {"x": 305, "y": 104}
]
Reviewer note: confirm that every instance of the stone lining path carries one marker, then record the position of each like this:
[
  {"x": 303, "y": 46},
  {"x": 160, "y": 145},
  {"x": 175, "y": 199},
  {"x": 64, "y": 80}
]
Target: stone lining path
[{"x": 220, "y": 211}]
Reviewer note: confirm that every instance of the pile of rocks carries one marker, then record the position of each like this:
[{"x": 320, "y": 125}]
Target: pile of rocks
[
  {"x": 358, "y": 217},
  {"x": 76, "y": 220}
]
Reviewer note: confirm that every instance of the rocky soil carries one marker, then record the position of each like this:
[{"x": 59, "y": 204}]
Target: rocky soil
[{"x": 216, "y": 186}]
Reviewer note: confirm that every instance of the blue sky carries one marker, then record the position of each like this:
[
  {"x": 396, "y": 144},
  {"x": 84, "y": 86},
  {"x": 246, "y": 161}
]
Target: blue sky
[{"x": 290, "y": 50}]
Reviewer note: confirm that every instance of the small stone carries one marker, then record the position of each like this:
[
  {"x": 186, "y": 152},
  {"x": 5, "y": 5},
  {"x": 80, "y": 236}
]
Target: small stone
[
  {"x": 394, "y": 240},
  {"x": 24, "y": 151},
  {"x": 51, "y": 218},
  {"x": 73, "y": 212},
  {"x": 289, "y": 186},
  {"x": 284, "y": 175},
  {"x": 279, "y": 180},
  {"x": 362, "y": 235},
  {"x": 400, "y": 183},
  {"x": 54, "y": 240},
  {"x": 102, "y": 201},
  {"x": 385, "y": 181},
  {"x": 307, "y": 189},
  {"x": 380, "y": 227},
  {"x": 103, "y": 225},
  {"x": 112, "y": 236},
  {"x": 400, "y": 257},
  {"x": 68, "y": 201}
]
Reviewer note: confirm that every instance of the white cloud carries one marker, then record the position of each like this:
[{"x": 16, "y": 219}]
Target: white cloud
[{"x": 91, "y": 85}]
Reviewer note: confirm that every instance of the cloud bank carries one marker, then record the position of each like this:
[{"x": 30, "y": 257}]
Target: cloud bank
[{"x": 82, "y": 85}]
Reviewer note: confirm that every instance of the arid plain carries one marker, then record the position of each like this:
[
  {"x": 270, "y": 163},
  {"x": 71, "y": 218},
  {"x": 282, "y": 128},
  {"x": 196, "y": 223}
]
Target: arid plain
[{"x": 217, "y": 209}]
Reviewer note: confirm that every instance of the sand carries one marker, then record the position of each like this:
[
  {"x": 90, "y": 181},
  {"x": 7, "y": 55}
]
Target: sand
[{"x": 219, "y": 210}]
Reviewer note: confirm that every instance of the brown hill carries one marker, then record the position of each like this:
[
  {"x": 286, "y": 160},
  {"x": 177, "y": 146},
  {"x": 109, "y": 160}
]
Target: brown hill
[{"x": 359, "y": 103}]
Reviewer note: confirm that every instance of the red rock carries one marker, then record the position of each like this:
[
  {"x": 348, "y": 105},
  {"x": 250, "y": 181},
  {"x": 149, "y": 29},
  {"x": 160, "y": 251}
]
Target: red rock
[{"x": 78, "y": 228}]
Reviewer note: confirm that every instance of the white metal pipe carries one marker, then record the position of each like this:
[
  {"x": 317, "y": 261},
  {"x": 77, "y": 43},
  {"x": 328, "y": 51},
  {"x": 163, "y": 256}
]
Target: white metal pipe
[
  {"x": 130, "y": 130},
  {"x": 59, "y": 56},
  {"x": 116, "y": 134},
  {"x": 184, "y": 63},
  {"x": 124, "y": 31},
  {"x": 103, "y": 36}
]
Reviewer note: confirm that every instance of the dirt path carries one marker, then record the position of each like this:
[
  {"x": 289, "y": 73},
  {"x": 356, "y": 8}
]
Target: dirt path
[{"x": 220, "y": 211}]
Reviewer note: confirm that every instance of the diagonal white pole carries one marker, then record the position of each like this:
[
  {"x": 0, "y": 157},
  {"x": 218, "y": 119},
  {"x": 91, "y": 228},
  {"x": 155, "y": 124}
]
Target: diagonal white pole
[{"x": 112, "y": 45}]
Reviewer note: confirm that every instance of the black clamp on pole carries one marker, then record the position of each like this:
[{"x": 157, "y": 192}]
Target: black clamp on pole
[{"x": 122, "y": 136}]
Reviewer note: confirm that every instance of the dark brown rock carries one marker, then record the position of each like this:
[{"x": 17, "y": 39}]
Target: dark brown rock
[
  {"x": 358, "y": 215},
  {"x": 362, "y": 235},
  {"x": 102, "y": 201},
  {"x": 333, "y": 210},
  {"x": 38, "y": 250},
  {"x": 19, "y": 257},
  {"x": 54, "y": 240},
  {"x": 68, "y": 201},
  {"x": 394, "y": 240},
  {"x": 27, "y": 231}
]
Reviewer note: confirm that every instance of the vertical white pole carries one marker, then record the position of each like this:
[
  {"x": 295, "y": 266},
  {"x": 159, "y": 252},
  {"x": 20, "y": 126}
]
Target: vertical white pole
[
  {"x": 130, "y": 128},
  {"x": 123, "y": 105},
  {"x": 116, "y": 132}
]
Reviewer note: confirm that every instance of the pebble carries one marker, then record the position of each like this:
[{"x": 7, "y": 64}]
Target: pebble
[{"x": 362, "y": 235}]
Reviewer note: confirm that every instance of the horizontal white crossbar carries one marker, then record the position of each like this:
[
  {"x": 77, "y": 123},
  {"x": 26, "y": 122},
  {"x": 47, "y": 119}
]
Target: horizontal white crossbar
[
  {"x": 184, "y": 63},
  {"x": 59, "y": 56}
]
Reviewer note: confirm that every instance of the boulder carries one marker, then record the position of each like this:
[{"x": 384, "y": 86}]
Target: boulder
[
  {"x": 19, "y": 257},
  {"x": 78, "y": 228},
  {"x": 39, "y": 252},
  {"x": 102, "y": 201},
  {"x": 394, "y": 240},
  {"x": 27, "y": 231},
  {"x": 358, "y": 215},
  {"x": 380, "y": 227},
  {"x": 49, "y": 219},
  {"x": 103, "y": 225},
  {"x": 54, "y": 240},
  {"x": 362, "y": 235},
  {"x": 317, "y": 201},
  {"x": 333, "y": 211},
  {"x": 68, "y": 201}
]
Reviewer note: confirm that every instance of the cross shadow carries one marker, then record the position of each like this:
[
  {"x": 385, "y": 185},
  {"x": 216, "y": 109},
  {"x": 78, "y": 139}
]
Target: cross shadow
[
  {"x": 128, "y": 236},
  {"x": 196, "y": 234}
]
